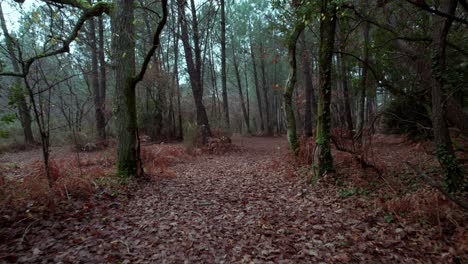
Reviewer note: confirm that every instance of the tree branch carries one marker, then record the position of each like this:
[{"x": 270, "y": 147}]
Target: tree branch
[
  {"x": 155, "y": 46},
  {"x": 424, "y": 6},
  {"x": 93, "y": 11}
]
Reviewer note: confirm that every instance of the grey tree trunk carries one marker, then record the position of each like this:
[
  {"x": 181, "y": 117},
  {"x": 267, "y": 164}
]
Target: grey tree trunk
[
  {"x": 363, "y": 85},
  {"x": 99, "y": 114},
  {"x": 102, "y": 76},
  {"x": 309, "y": 88},
  {"x": 257, "y": 85},
  {"x": 289, "y": 90},
  {"x": 239, "y": 87},
  {"x": 344, "y": 84},
  {"x": 223, "y": 66},
  {"x": 265, "y": 94}
]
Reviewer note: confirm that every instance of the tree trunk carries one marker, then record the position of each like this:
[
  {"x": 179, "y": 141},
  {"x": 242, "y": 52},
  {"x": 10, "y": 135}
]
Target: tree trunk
[
  {"x": 257, "y": 85},
  {"x": 239, "y": 87},
  {"x": 289, "y": 89},
  {"x": 344, "y": 84},
  {"x": 194, "y": 68},
  {"x": 442, "y": 141},
  {"x": 363, "y": 85},
  {"x": 247, "y": 89},
  {"x": 323, "y": 160},
  {"x": 309, "y": 88},
  {"x": 265, "y": 93},
  {"x": 99, "y": 115},
  {"x": 103, "y": 76},
  {"x": 124, "y": 58},
  {"x": 18, "y": 92},
  {"x": 223, "y": 66}
]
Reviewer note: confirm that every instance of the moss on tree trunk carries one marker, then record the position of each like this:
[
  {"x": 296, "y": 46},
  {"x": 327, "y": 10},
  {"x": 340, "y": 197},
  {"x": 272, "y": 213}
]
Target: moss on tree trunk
[{"x": 323, "y": 161}]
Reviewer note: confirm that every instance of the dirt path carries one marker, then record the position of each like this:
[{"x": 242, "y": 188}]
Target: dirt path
[{"x": 235, "y": 208}]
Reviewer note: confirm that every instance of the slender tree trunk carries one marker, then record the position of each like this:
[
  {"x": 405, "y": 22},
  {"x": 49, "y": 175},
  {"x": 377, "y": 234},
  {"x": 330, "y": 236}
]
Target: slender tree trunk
[
  {"x": 442, "y": 141},
  {"x": 309, "y": 88},
  {"x": 323, "y": 160},
  {"x": 223, "y": 66},
  {"x": 247, "y": 89},
  {"x": 239, "y": 87},
  {"x": 363, "y": 85},
  {"x": 102, "y": 75},
  {"x": 175, "y": 75},
  {"x": 18, "y": 91},
  {"x": 265, "y": 93},
  {"x": 344, "y": 84},
  {"x": 289, "y": 90},
  {"x": 99, "y": 115},
  {"x": 194, "y": 67},
  {"x": 257, "y": 85},
  {"x": 343, "y": 78}
]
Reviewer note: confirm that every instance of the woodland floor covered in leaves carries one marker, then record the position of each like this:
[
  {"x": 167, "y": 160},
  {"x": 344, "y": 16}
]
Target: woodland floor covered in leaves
[{"x": 250, "y": 206}]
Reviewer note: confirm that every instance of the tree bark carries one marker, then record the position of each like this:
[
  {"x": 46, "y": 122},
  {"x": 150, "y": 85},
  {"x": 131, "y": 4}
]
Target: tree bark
[
  {"x": 344, "y": 83},
  {"x": 323, "y": 160},
  {"x": 223, "y": 66},
  {"x": 442, "y": 141},
  {"x": 124, "y": 58},
  {"x": 289, "y": 89},
  {"x": 257, "y": 85},
  {"x": 363, "y": 84},
  {"x": 309, "y": 88},
  {"x": 239, "y": 87},
  {"x": 99, "y": 115},
  {"x": 102, "y": 75},
  {"x": 265, "y": 93},
  {"x": 123, "y": 44}
]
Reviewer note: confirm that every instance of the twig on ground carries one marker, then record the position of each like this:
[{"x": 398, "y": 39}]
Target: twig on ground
[{"x": 20, "y": 242}]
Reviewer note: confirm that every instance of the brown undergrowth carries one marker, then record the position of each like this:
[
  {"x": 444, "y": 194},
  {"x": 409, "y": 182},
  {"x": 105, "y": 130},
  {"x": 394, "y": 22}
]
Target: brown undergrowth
[
  {"x": 25, "y": 190},
  {"x": 372, "y": 175}
]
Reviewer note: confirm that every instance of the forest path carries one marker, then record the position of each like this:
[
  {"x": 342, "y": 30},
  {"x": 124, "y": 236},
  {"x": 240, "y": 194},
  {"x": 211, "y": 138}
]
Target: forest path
[{"x": 233, "y": 208}]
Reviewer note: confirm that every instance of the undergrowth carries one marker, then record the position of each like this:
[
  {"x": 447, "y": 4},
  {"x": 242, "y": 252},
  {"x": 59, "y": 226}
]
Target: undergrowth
[{"x": 25, "y": 189}]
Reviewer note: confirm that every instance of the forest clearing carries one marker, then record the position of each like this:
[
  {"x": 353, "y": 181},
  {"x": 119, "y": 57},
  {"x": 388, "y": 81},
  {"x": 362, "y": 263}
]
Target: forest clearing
[{"x": 233, "y": 131}]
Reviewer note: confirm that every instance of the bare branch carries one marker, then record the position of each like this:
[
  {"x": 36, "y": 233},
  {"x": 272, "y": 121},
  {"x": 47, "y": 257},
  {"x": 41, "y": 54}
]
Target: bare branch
[
  {"x": 93, "y": 11},
  {"x": 155, "y": 46}
]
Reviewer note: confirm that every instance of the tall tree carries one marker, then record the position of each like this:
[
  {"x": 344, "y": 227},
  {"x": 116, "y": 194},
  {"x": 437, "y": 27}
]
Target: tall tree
[
  {"x": 194, "y": 66},
  {"x": 442, "y": 139},
  {"x": 223, "y": 65},
  {"x": 323, "y": 160},
  {"x": 95, "y": 81},
  {"x": 310, "y": 101},
  {"x": 126, "y": 79},
  {"x": 102, "y": 76},
  {"x": 239, "y": 88},
  {"x": 256, "y": 81},
  {"x": 268, "y": 120},
  {"x": 291, "y": 84},
  {"x": 363, "y": 85}
]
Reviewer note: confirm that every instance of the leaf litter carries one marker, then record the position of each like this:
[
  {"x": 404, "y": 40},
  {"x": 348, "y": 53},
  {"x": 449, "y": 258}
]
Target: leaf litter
[{"x": 238, "y": 207}]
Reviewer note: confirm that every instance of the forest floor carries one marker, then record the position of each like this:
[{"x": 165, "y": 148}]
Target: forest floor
[{"x": 249, "y": 206}]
